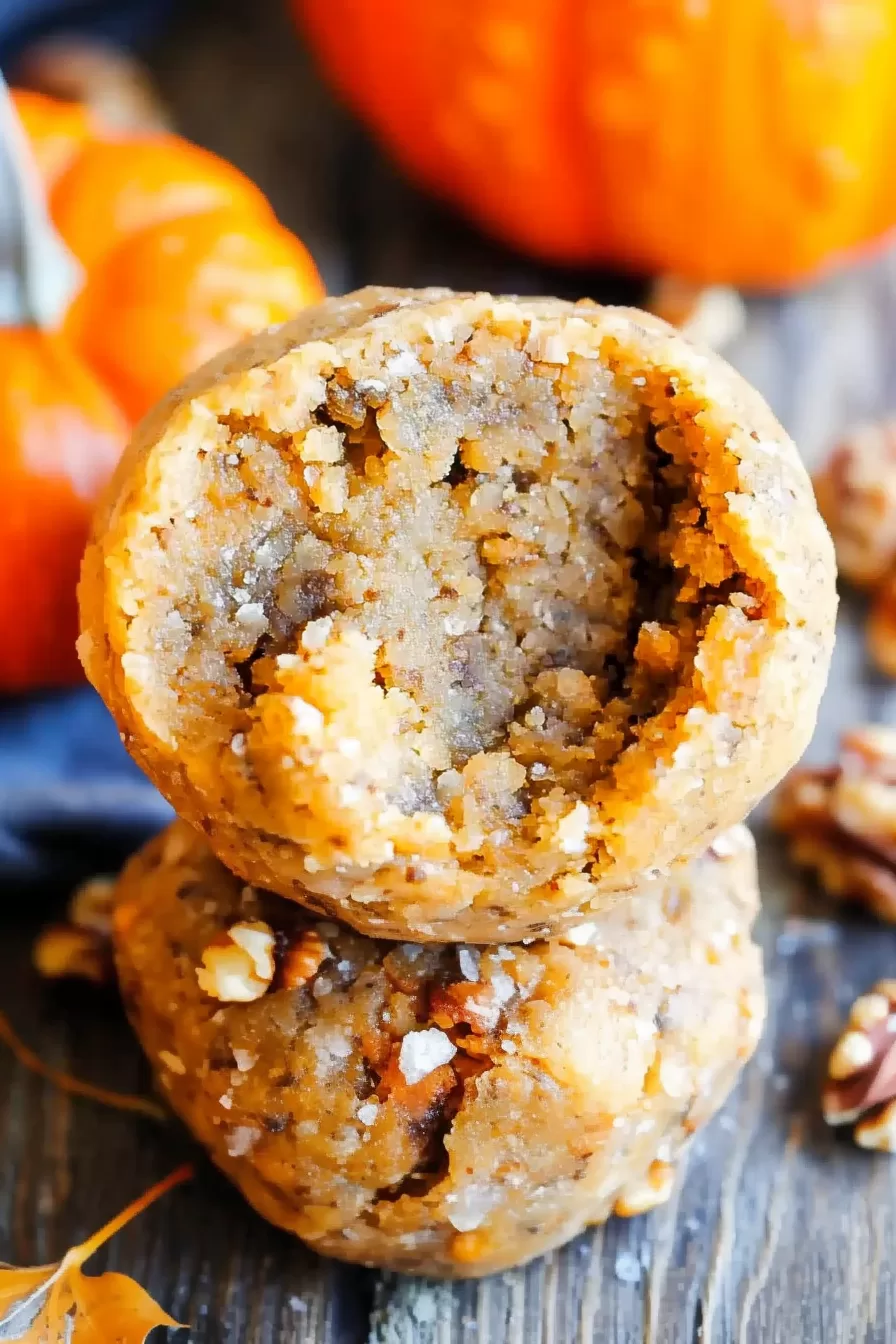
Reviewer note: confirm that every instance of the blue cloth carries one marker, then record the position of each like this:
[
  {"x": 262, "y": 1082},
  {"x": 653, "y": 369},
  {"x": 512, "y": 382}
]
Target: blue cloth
[
  {"x": 72, "y": 802},
  {"x": 129, "y": 23}
]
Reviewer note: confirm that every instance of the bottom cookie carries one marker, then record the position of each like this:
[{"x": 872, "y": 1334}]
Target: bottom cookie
[{"x": 447, "y": 1110}]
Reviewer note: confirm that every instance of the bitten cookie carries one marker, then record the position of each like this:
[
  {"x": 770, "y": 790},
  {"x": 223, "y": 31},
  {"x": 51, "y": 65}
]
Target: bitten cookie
[
  {"x": 453, "y": 615},
  {"x": 436, "y": 1109}
]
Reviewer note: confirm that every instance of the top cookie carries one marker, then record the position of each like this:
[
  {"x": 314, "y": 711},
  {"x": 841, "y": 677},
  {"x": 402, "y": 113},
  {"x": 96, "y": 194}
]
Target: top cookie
[{"x": 454, "y": 616}]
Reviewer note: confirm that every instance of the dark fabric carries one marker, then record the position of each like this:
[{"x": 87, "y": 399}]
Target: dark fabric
[
  {"x": 72, "y": 803},
  {"x": 130, "y": 23}
]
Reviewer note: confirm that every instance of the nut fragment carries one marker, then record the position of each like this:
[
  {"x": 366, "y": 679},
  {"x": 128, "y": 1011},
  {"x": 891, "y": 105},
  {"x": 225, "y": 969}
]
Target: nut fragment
[
  {"x": 852, "y": 1053},
  {"x": 881, "y": 629},
  {"x": 856, "y": 494},
  {"x": 63, "y": 952},
  {"x": 711, "y": 314},
  {"x": 878, "y": 1130},
  {"x": 80, "y": 948},
  {"x": 841, "y": 820},
  {"x": 90, "y": 906},
  {"x": 469, "y": 1247},
  {"x": 861, "y": 1085},
  {"x": 642, "y": 1196},
  {"x": 302, "y": 959},
  {"x": 240, "y": 967}
]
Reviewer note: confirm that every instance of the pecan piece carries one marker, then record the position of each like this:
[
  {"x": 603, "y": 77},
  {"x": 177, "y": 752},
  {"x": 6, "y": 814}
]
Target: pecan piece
[
  {"x": 648, "y": 1193},
  {"x": 881, "y": 628},
  {"x": 302, "y": 959},
  {"x": 64, "y": 952},
  {"x": 856, "y": 492},
  {"x": 861, "y": 1086},
  {"x": 81, "y": 947},
  {"x": 710, "y": 314},
  {"x": 418, "y": 1095},
  {"x": 841, "y": 820},
  {"x": 238, "y": 966},
  {"x": 473, "y": 1003}
]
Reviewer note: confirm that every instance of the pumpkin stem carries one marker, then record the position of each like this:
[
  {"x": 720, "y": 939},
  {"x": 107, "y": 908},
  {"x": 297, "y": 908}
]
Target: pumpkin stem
[{"x": 38, "y": 275}]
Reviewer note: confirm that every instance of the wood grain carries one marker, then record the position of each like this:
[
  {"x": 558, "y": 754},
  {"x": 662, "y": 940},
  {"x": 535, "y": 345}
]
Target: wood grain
[{"x": 779, "y": 1230}]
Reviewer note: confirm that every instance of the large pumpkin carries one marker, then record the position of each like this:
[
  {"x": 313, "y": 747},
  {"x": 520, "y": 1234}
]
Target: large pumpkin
[
  {"x": 181, "y": 256},
  {"x": 745, "y": 141}
]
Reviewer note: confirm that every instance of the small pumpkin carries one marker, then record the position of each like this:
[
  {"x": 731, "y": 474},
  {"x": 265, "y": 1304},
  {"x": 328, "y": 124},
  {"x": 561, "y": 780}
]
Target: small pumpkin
[
  {"x": 178, "y": 255},
  {"x": 727, "y": 141}
]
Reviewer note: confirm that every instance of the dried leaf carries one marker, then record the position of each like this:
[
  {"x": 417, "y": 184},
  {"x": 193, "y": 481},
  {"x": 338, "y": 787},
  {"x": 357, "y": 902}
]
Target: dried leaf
[
  {"x": 17, "y": 1285},
  {"x": 119, "y": 1101},
  {"x": 57, "y": 1304}
]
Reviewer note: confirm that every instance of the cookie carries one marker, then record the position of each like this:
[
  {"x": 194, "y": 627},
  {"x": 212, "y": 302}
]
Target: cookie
[
  {"x": 456, "y": 616},
  {"x": 448, "y": 1110}
]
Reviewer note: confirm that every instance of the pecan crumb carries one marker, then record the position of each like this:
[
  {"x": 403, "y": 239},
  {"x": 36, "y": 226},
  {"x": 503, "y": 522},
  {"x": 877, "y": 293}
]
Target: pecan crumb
[
  {"x": 81, "y": 947},
  {"x": 861, "y": 1086},
  {"x": 856, "y": 492},
  {"x": 841, "y": 820},
  {"x": 239, "y": 966},
  {"x": 714, "y": 315},
  {"x": 303, "y": 958},
  {"x": 642, "y": 1196},
  {"x": 881, "y": 629}
]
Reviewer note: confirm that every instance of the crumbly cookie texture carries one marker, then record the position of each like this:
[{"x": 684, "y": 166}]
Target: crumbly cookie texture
[
  {"x": 448, "y": 1110},
  {"x": 454, "y": 615}
]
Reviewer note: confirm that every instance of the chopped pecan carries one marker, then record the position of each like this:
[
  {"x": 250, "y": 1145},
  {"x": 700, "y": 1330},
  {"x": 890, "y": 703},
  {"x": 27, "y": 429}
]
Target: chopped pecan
[
  {"x": 375, "y": 1047},
  {"x": 402, "y": 969},
  {"x": 856, "y": 493},
  {"x": 861, "y": 1087},
  {"x": 467, "y": 1001},
  {"x": 711, "y": 314},
  {"x": 238, "y": 966},
  {"x": 420, "y": 1094},
  {"x": 90, "y": 906},
  {"x": 467, "y": 1248},
  {"x": 648, "y": 1193},
  {"x": 881, "y": 628},
  {"x": 302, "y": 959},
  {"x": 64, "y": 952},
  {"x": 841, "y": 820},
  {"x": 468, "y": 1068},
  {"x": 81, "y": 947}
]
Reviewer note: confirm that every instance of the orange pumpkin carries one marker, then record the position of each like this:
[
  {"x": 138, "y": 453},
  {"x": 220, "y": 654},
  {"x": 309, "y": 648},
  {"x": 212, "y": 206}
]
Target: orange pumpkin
[
  {"x": 738, "y": 141},
  {"x": 181, "y": 256}
]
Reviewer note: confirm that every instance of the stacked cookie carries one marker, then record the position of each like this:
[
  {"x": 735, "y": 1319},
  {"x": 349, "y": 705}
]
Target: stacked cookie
[{"x": 463, "y": 632}]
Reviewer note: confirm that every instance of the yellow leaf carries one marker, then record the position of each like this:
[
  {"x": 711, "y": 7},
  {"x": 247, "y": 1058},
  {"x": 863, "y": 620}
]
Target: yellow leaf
[
  {"x": 20, "y": 1292},
  {"x": 17, "y": 1284},
  {"x": 57, "y": 1304},
  {"x": 113, "y": 1309}
]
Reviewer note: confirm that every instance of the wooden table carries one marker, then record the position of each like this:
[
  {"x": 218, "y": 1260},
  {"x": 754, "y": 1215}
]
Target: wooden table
[{"x": 779, "y": 1230}]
